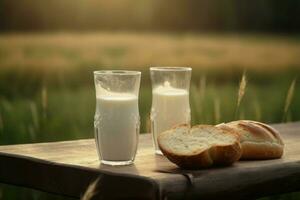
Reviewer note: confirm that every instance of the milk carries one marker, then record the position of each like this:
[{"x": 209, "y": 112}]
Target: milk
[
  {"x": 117, "y": 126},
  {"x": 170, "y": 107}
]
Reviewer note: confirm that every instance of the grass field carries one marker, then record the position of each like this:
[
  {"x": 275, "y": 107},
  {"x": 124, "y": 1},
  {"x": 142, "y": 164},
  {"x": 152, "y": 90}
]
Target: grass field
[{"x": 47, "y": 91}]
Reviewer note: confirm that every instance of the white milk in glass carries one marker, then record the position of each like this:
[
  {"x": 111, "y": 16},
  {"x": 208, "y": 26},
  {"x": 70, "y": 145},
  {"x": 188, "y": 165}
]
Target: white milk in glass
[
  {"x": 170, "y": 107},
  {"x": 117, "y": 126}
]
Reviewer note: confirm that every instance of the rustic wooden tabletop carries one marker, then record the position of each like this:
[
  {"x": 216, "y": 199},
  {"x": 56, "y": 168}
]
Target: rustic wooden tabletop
[{"x": 68, "y": 167}]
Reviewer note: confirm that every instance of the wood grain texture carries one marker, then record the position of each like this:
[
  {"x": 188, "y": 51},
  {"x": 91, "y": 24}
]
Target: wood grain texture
[{"x": 68, "y": 167}]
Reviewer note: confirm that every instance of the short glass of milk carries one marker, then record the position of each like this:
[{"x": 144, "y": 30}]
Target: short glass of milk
[
  {"x": 117, "y": 120},
  {"x": 170, "y": 99}
]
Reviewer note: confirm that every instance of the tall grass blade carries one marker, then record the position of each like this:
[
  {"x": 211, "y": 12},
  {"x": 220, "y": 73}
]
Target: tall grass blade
[
  {"x": 242, "y": 115},
  {"x": 148, "y": 124},
  {"x": 289, "y": 117},
  {"x": 91, "y": 191},
  {"x": 257, "y": 110},
  {"x": 195, "y": 103},
  {"x": 217, "y": 111},
  {"x": 202, "y": 87},
  {"x": 241, "y": 92},
  {"x": 1, "y": 123},
  {"x": 44, "y": 98},
  {"x": 34, "y": 114},
  {"x": 6, "y": 106},
  {"x": 1, "y": 119},
  {"x": 201, "y": 96},
  {"x": 288, "y": 100},
  {"x": 31, "y": 132}
]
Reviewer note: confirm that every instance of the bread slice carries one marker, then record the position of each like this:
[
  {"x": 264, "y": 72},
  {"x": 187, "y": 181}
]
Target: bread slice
[
  {"x": 200, "y": 146},
  {"x": 258, "y": 140}
]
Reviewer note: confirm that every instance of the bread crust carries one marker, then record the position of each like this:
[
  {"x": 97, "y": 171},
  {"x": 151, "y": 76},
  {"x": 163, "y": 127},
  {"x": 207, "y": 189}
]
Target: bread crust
[
  {"x": 214, "y": 155},
  {"x": 273, "y": 131},
  {"x": 258, "y": 140}
]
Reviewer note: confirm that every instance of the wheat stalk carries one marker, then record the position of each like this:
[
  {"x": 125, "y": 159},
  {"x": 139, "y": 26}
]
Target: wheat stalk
[
  {"x": 91, "y": 191},
  {"x": 241, "y": 92},
  {"x": 289, "y": 99}
]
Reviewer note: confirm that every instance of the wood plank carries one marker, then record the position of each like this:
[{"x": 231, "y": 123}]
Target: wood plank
[{"x": 68, "y": 167}]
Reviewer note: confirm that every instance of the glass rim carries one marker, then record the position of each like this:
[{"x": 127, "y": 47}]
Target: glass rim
[
  {"x": 117, "y": 72},
  {"x": 170, "y": 68}
]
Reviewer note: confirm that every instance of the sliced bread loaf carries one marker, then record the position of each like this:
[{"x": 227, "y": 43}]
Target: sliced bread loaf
[
  {"x": 258, "y": 140},
  {"x": 200, "y": 146}
]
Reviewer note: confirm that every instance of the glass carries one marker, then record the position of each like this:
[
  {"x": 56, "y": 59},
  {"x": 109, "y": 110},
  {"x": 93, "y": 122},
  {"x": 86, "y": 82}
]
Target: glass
[
  {"x": 170, "y": 99},
  {"x": 117, "y": 120}
]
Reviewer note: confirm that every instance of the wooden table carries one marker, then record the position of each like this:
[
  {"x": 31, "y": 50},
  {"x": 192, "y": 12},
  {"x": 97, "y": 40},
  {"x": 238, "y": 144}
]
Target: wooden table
[{"x": 68, "y": 167}]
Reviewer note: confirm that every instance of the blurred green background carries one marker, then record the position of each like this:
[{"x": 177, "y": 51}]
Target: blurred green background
[{"x": 48, "y": 51}]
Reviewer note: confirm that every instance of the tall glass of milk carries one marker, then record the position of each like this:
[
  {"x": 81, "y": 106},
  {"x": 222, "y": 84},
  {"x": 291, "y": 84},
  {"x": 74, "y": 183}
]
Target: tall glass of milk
[
  {"x": 170, "y": 99},
  {"x": 117, "y": 119}
]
